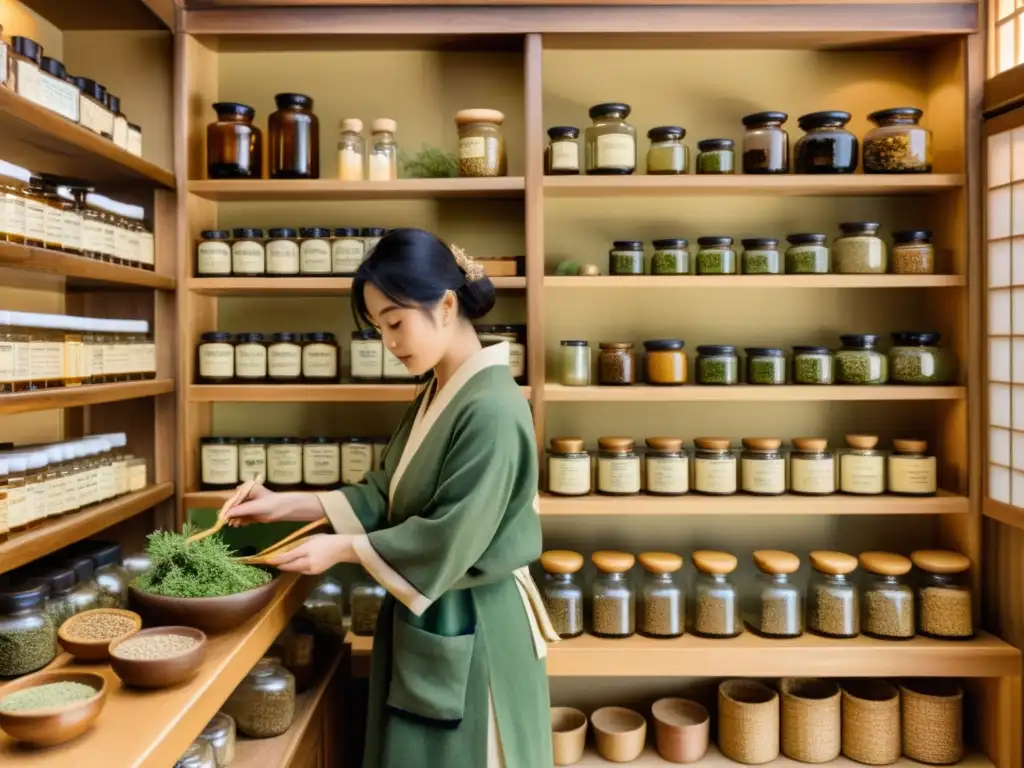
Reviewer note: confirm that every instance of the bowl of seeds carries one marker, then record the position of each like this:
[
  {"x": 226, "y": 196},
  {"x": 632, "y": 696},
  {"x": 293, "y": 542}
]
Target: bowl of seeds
[
  {"x": 50, "y": 708},
  {"x": 159, "y": 657},
  {"x": 88, "y": 635}
]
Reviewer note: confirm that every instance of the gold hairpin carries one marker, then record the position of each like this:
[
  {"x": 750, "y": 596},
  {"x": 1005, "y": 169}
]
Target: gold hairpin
[{"x": 467, "y": 264}]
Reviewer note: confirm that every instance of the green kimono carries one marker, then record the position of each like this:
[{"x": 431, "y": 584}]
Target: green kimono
[{"x": 449, "y": 527}]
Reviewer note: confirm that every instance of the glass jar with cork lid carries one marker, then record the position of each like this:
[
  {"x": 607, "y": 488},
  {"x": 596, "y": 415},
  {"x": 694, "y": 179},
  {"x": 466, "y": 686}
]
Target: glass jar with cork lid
[
  {"x": 715, "y": 609},
  {"x": 569, "y": 472},
  {"x": 618, "y": 467},
  {"x": 763, "y": 466},
  {"x": 613, "y": 604},
  {"x": 888, "y": 601},
  {"x": 910, "y": 470},
  {"x": 666, "y": 467},
  {"x": 833, "y": 602},
  {"x": 662, "y": 602},
  {"x": 610, "y": 141},
  {"x": 812, "y": 467},
  {"x": 481, "y": 142},
  {"x": 383, "y": 159},
  {"x": 561, "y": 591},
  {"x": 778, "y": 610},
  {"x": 714, "y": 466},
  {"x": 862, "y": 466},
  {"x": 351, "y": 150},
  {"x": 943, "y": 594}
]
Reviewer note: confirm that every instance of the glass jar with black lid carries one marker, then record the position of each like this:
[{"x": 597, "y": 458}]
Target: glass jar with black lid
[
  {"x": 320, "y": 358},
  {"x": 562, "y": 156},
  {"x": 826, "y": 147},
  {"x": 765, "y": 365},
  {"x": 716, "y": 256},
  {"x": 667, "y": 153},
  {"x": 111, "y": 578},
  {"x": 610, "y": 141},
  {"x": 215, "y": 358},
  {"x": 716, "y": 156},
  {"x": 30, "y": 637},
  {"x": 717, "y": 364},
  {"x": 913, "y": 252},
  {"x": 284, "y": 463},
  {"x": 218, "y": 463},
  {"x": 915, "y": 357},
  {"x": 85, "y": 596},
  {"x": 765, "y": 143},
  {"x": 282, "y": 251},
  {"x": 626, "y": 258},
  {"x": 347, "y": 251},
  {"x": 284, "y": 358},
  {"x": 671, "y": 257},
  {"x": 898, "y": 143},
  {"x": 213, "y": 255},
  {"x": 760, "y": 256},
  {"x": 807, "y": 254},
  {"x": 234, "y": 146},
  {"x": 859, "y": 362},
  {"x": 250, "y": 358},
  {"x": 315, "y": 251},
  {"x": 248, "y": 254},
  {"x": 294, "y": 151}
]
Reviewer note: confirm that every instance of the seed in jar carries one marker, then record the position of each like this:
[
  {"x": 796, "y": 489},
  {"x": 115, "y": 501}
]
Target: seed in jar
[
  {"x": 907, "y": 366},
  {"x": 946, "y": 612},
  {"x": 611, "y": 615},
  {"x": 151, "y": 647},
  {"x": 476, "y": 166},
  {"x": 835, "y": 613},
  {"x": 715, "y": 617},
  {"x": 809, "y": 369},
  {"x": 662, "y": 615},
  {"x": 888, "y": 615},
  {"x": 913, "y": 260},
  {"x": 892, "y": 153},
  {"x": 100, "y": 626},
  {"x": 780, "y": 615}
]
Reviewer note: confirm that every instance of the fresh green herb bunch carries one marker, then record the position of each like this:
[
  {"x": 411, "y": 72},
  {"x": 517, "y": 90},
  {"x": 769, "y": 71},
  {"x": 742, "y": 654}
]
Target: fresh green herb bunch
[
  {"x": 203, "y": 568},
  {"x": 429, "y": 163}
]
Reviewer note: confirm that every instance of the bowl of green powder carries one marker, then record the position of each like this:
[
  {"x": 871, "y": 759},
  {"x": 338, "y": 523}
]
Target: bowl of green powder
[{"x": 50, "y": 708}]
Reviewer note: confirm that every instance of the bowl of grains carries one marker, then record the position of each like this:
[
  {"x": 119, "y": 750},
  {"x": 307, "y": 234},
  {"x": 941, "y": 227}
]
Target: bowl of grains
[
  {"x": 159, "y": 657},
  {"x": 88, "y": 635},
  {"x": 50, "y": 708}
]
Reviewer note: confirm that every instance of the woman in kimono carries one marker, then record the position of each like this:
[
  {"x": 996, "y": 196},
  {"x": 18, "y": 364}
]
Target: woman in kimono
[{"x": 448, "y": 526}]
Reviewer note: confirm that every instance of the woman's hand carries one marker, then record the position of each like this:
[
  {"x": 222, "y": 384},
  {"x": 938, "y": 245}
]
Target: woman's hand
[
  {"x": 266, "y": 506},
  {"x": 316, "y": 554}
]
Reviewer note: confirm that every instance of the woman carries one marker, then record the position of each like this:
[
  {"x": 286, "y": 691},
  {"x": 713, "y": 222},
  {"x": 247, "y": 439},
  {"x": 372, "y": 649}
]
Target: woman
[{"x": 448, "y": 526}]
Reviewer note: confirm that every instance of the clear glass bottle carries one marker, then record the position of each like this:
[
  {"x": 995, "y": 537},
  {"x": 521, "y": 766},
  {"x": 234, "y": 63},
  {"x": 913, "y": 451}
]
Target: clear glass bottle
[
  {"x": 347, "y": 251},
  {"x": 813, "y": 365},
  {"x": 662, "y": 602},
  {"x": 351, "y": 150},
  {"x": 765, "y": 143},
  {"x": 859, "y": 362},
  {"x": 626, "y": 258},
  {"x": 294, "y": 133},
  {"x": 562, "y": 155},
  {"x": 569, "y": 468},
  {"x": 765, "y": 365},
  {"x": 59, "y": 583},
  {"x": 610, "y": 141},
  {"x": 367, "y": 598},
  {"x": 763, "y": 466},
  {"x": 807, "y": 254},
  {"x": 561, "y": 591},
  {"x": 618, "y": 467},
  {"x": 667, "y": 154},
  {"x": 915, "y": 357},
  {"x": 812, "y": 467},
  {"x": 666, "y": 467},
  {"x": 913, "y": 252},
  {"x": 315, "y": 251},
  {"x": 263, "y": 704},
  {"x": 888, "y": 601},
  {"x": 220, "y": 734},
  {"x": 778, "y": 607},
  {"x": 715, "y": 610},
  {"x": 616, "y": 364},
  {"x": 324, "y": 607},
  {"x": 714, "y": 466},
  {"x": 860, "y": 251},
  {"x": 898, "y": 143},
  {"x": 671, "y": 256},
  {"x": 234, "y": 146},
  {"x": 833, "y": 601},
  {"x": 717, "y": 364},
  {"x": 30, "y": 638},
  {"x": 575, "y": 365},
  {"x": 613, "y": 603},
  {"x": 862, "y": 467},
  {"x": 943, "y": 594},
  {"x": 366, "y": 356},
  {"x": 910, "y": 470},
  {"x": 716, "y": 156},
  {"x": 383, "y": 156},
  {"x": 760, "y": 256},
  {"x": 826, "y": 146},
  {"x": 665, "y": 362},
  {"x": 715, "y": 256},
  {"x": 481, "y": 142},
  {"x": 200, "y": 754}
]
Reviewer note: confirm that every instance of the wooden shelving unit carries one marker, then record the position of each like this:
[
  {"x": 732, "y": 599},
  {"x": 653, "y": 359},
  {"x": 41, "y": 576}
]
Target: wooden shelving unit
[
  {"x": 80, "y": 272},
  {"x": 272, "y": 190},
  {"x": 300, "y": 286},
  {"x": 77, "y": 397}
]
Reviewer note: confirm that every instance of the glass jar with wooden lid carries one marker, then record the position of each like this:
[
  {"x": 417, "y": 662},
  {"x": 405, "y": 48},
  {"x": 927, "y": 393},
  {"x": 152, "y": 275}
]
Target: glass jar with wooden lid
[
  {"x": 888, "y": 601},
  {"x": 943, "y": 594},
  {"x": 481, "y": 142},
  {"x": 666, "y": 467},
  {"x": 812, "y": 467},
  {"x": 616, "y": 364},
  {"x": 714, "y": 466},
  {"x": 862, "y": 466},
  {"x": 833, "y": 602},
  {"x": 910, "y": 470},
  {"x": 779, "y": 607},
  {"x": 662, "y": 603},
  {"x": 762, "y": 466},
  {"x": 618, "y": 467},
  {"x": 562, "y": 593},
  {"x": 613, "y": 604},
  {"x": 569, "y": 471},
  {"x": 666, "y": 362},
  {"x": 715, "y": 610}
]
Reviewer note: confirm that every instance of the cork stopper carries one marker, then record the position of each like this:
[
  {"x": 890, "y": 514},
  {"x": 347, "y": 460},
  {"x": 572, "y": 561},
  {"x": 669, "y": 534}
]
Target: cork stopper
[
  {"x": 561, "y": 561},
  {"x": 834, "y": 563},
  {"x": 713, "y": 562},
  {"x": 466, "y": 116},
  {"x": 384, "y": 124},
  {"x": 610, "y": 561},
  {"x": 810, "y": 443},
  {"x": 353, "y": 124},
  {"x": 885, "y": 563},
  {"x": 660, "y": 562},
  {"x": 665, "y": 443},
  {"x": 776, "y": 561},
  {"x": 940, "y": 561},
  {"x": 713, "y": 443},
  {"x": 616, "y": 444},
  {"x": 567, "y": 444},
  {"x": 762, "y": 443},
  {"x": 903, "y": 445},
  {"x": 862, "y": 442}
]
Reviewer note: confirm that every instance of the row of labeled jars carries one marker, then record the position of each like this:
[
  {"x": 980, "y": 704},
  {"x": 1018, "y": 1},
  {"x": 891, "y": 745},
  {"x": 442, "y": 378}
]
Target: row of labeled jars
[
  {"x": 285, "y": 251},
  {"x": 39, "y": 351},
  {"x": 897, "y": 144},
  {"x": 324, "y": 607},
  {"x": 836, "y": 605},
  {"x": 762, "y": 468},
  {"x": 860, "y": 251}
]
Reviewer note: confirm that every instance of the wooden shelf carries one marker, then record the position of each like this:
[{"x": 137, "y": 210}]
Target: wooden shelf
[
  {"x": 271, "y": 190},
  {"x": 75, "y": 397},
  {"x": 151, "y": 729},
  {"x": 25, "y": 546},
  {"x": 305, "y": 393},
  {"x": 1007, "y": 514},
  {"x": 70, "y": 15},
  {"x": 761, "y": 282},
  {"x": 715, "y": 759},
  {"x": 45, "y": 142},
  {"x": 743, "y": 393},
  {"x": 81, "y": 271},
  {"x": 300, "y": 286}
]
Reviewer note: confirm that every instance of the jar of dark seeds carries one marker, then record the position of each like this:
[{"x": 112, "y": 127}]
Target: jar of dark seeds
[
  {"x": 765, "y": 365},
  {"x": 717, "y": 364},
  {"x": 662, "y": 604},
  {"x": 616, "y": 365},
  {"x": 916, "y": 358},
  {"x": 910, "y": 470},
  {"x": 263, "y": 704},
  {"x": 613, "y": 600},
  {"x": 812, "y": 467},
  {"x": 913, "y": 252},
  {"x": 888, "y": 601},
  {"x": 779, "y": 607},
  {"x": 859, "y": 251},
  {"x": 716, "y": 256},
  {"x": 715, "y": 156},
  {"x": 714, "y": 466},
  {"x": 716, "y": 611},
  {"x": 760, "y": 256},
  {"x": 858, "y": 362},
  {"x": 807, "y": 254},
  {"x": 765, "y": 143},
  {"x": 943, "y": 594},
  {"x": 626, "y": 258},
  {"x": 826, "y": 146},
  {"x": 28, "y": 637},
  {"x": 366, "y": 598},
  {"x": 562, "y": 593},
  {"x": 671, "y": 257},
  {"x": 898, "y": 143},
  {"x": 813, "y": 365},
  {"x": 833, "y": 605},
  {"x": 763, "y": 466},
  {"x": 862, "y": 466}
]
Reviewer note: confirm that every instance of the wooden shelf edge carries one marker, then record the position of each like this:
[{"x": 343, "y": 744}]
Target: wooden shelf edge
[
  {"x": 1004, "y": 513},
  {"x": 80, "y": 267},
  {"x": 305, "y": 286},
  {"x": 557, "y": 393},
  {"x": 305, "y": 393},
  {"x": 334, "y": 189},
  {"x": 25, "y": 546},
  {"x": 756, "y": 281},
  {"x": 89, "y": 394},
  {"x": 715, "y": 759},
  {"x": 742, "y": 184}
]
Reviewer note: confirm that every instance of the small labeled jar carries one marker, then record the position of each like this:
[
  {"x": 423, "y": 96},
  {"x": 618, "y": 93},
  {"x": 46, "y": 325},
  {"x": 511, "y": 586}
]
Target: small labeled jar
[
  {"x": 213, "y": 254},
  {"x": 321, "y": 463},
  {"x": 613, "y": 604},
  {"x": 366, "y": 356},
  {"x": 263, "y": 704},
  {"x": 760, "y": 256},
  {"x": 715, "y": 256},
  {"x": 715, "y": 605},
  {"x": 379, "y": 444},
  {"x": 561, "y": 591},
  {"x": 897, "y": 143},
  {"x": 763, "y": 466},
  {"x": 860, "y": 251},
  {"x": 250, "y": 358},
  {"x": 610, "y": 141},
  {"x": 765, "y": 143},
  {"x": 30, "y": 638},
  {"x": 826, "y": 146},
  {"x": 943, "y": 594},
  {"x": 569, "y": 471},
  {"x": 858, "y": 362},
  {"x": 626, "y": 258},
  {"x": 395, "y": 371},
  {"x": 320, "y": 358},
  {"x": 765, "y": 365},
  {"x": 282, "y": 252},
  {"x": 666, "y": 362},
  {"x": 383, "y": 160},
  {"x": 913, "y": 252},
  {"x": 616, "y": 365},
  {"x": 717, "y": 364},
  {"x": 812, "y": 467},
  {"x": 25, "y": 78},
  {"x": 714, "y": 466},
  {"x": 562, "y": 156},
  {"x": 671, "y": 257},
  {"x": 574, "y": 369},
  {"x": 667, "y": 154},
  {"x": 813, "y": 365},
  {"x": 662, "y": 601},
  {"x": 356, "y": 459},
  {"x": 911, "y": 471},
  {"x": 833, "y": 602},
  {"x": 807, "y": 254},
  {"x": 666, "y": 467},
  {"x": 234, "y": 146},
  {"x": 315, "y": 251},
  {"x": 252, "y": 458},
  {"x": 715, "y": 156},
  {"x": 216, "y": 358},
  {"x": 481, "y": 142},
  {"x": 351, "y": 150},
  {"x": 284, "y": 463},
  {"x": 862, "y": 466},
  {"x": 284, "y": 358},
  {"x": 248, "y": 255},
  {"x": 366, "y": 600},
  {"x": 779, "y": 607},
  {"x": 618, "y": 467},
  {"x": 218, "y": 460},
  {"x": 888, "y": 601},
  {"x": 915, "y": 357},
  {"x": 347, "y": 251},
  {"x": 370, "y": 237}
]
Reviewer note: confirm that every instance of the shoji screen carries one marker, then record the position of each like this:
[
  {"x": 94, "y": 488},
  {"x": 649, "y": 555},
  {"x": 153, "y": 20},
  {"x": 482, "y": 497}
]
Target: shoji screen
[{"x": 1006, "y": 29}]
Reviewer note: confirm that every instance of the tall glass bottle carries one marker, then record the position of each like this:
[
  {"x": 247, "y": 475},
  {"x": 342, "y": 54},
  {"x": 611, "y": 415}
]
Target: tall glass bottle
[{"x": 294, "y": 138}]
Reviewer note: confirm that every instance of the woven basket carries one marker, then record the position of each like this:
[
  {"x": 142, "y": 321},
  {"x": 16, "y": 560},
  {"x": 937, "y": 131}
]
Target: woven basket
[
  {"x": 811, "y": 719},
  {"x": 933, "y": 721},
  {"x": 871, "y": 721},
  {"x": 748, "y": 721}
]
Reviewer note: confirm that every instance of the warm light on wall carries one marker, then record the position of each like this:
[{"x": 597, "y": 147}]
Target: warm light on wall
[{"x": 1006, "y": 28}]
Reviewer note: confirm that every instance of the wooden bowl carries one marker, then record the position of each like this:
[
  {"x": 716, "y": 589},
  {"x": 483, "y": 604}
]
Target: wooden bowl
[
  {"x": 160, "y": 673},
  {"x": 568, "y": 734},
  {"x": 210, "y": 614},
  {"x": 55, "y": 725},
  {"x": 94, "y": 650},
  {"x": 682, "y": 729},
  {"x": 621, "y": 733}
]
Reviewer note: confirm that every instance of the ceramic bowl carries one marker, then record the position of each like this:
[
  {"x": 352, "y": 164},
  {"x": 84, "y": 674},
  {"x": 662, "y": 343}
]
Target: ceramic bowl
[
  {"x": 56, "y": 725},
  {"x": 210, "y": 614},
  {"x": 621, "y": 733},
  {"x": 94, "y": 650},
  {"x": 568, "y": 734},
  {"x": 681, "y": 729},
  {"x": 160, "y": 673}
]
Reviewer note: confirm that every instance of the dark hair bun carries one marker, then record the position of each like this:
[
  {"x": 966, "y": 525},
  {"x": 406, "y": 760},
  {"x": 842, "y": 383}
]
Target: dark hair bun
[{"x": 477, "y": 298}]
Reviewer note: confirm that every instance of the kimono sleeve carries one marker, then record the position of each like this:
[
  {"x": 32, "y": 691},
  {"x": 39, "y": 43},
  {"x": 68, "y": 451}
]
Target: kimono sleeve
[{"x": 357, "y": 509}]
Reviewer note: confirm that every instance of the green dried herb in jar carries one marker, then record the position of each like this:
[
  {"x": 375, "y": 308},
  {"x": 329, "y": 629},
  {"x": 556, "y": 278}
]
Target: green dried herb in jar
[
  {"x": 913, "y": 252},
  {"x": 717, "y": 364},
  {"x": 626, "y": 257},
  {"x": 858, "y": 362},
  {"x": 807, "y": 254},
  {"x": 28, "y": 638},
  {"x": 716, "y": 156},
  {"x": 813, "y": 365},
  {"x": 716, "y": 256},
  {"x": 917, "y": 358},
  {"x": 671, "y": 257},
  {"x": 760, "y": 256},
  {"x": 765, "y": 365},
  {"x": 860, "y": 251},
  {"x": 898, "y": 143}
]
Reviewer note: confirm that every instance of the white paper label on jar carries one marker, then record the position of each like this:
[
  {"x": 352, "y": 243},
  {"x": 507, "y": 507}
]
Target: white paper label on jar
[
  {"x": 109, "y": 238},
  {"x": 315, "y": 257},
  {"x": 393, "y": 367},
  {"x": 54, "y": 497},
  {"x": 37, "y": 360},
  {"x": 96, "y": 360},
  {"x": 321, "y": 464},
  {"x": 213, "y": 258},
  {"x": 668, "y": 475},
  {"x": 121, "y": 132},
  {"x": 356, "y": 461},
  {"x": 346, "y": 255},
  {"x": 14, "y": 214},
  {"x": 59, "y": 96},
  {"x": 812, "y": 475},
  {"x": 251, "y": 361},
  {"x": 282, "y": 257},
  {"x": 219, "y": 464},
  {"x": 27, "y": 80},
  {"x": 54, "y": 360},
  {"x": 763, "y": 475},
  {"x": 616, "y": 150},
  {"x": 137, "y": 477},
  {"x": 472, "y": 147},
  {"x": 284, "y": 464},
  {"x": 123, "y": 247},
  {"x": 73, "y": 359},
  {"x": 35, "y": 220},
  {"x": 861, "y": 474},
  {"x": 53, "y": 225},
  {"x": 147, "y": 254},
  {"x": 714, "y": 475},
  {"x": 284, "y": 360},
  {"x": 216, "y": 360},
  {"x": 248, "y": 257},
  {"x": 71, "y": 229},
  {"x": 367, "y": 359},
  {"x": 350, "y": 164},
  {"x": 37, "y": 494},
  {"x": 17, "y": 505},
  {"x": 320, "y": 361},
  {"x": 619, "y": 475},
  {"x": 912, "y": 475},
  {"x": 135, "y": 142},
  {"x": 252, "y": 461},
  {"x": 147, "y": 357},
  {"x": 517, "y": 359},
  {"x": 88, "y": 116},
  {"x": 565, "y": 156},
  {"x": 6, "y": 362},
  {"x": 92, "y": 235},
  {"x": 569, "y": 476}
]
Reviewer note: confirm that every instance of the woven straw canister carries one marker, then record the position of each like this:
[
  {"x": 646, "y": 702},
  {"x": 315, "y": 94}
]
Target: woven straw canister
[
  {"x": 933, "y": 721},
  {"x": 748, "y": 721},
  {"x": 871, "y": 721},
  {"x": 811, "y": 719}
]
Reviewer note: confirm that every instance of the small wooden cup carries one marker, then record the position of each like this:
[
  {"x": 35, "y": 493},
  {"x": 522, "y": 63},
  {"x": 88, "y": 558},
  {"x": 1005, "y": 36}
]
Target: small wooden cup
[
  {"x": 621, "y": 733},
  {"x": 568, "y": 734},
  {"x": 55, "y": 725}
]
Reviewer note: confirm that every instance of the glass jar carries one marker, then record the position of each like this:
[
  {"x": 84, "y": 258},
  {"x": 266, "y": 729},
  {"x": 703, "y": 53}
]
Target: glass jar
[
  {"x": 320, "y": 358},
  {"x": 366, "y": 356},
  {"x": 626, "y": 258},
  {"x": 250, "y": 358},
  {"x": 383, "y": 159},
  {"x": 199, "y": 754},
  {"x": 760, "y": 256},
  {"x": 284, "y": 358},
  {"x": 379, "y": 445},
  {"x": 284, "y": 463},
  {"x": 252, "y": 458},
  {"x": 321, "y": 463},
  {"x": 25, "y": 78},
  {"x": 234, "y": 146},
  {"x": 346, "y": 251},
  {"x": 366, "y": 598},
  {"x": 263, "y": 704},
  {"x": 813, "y": 365},
  {"x": 315, "y": 251},
  {"x": 618, "y": 467},
  {"x": 662, "y": 604},
  {"x": 717, "y": 364},
  {"x": 219, "y": 733},
  {"x": 356, "y": 459},
  {"x": 562, "y": 156},
  {"x": 910, "y": 470},
  {"x": 370, "y": 237},
  {"x": 324, "y": 607},
  {"x": 888, "y": 601},
  {"x": 860, "y": 251},
  {"x": 481, "y": 142},
  {"x": 213, "y": 255},
  {"x": 765, "y": 143},
  {"x": 833, "y": 604},
  {"x": 716, "y": 609},
  {"x": 282, "y": 251},
  {"x": 613, "y": 605},
  {"x": 351, "y": 150},
  {"x": 943, "y": 594},
  {"x": 763, "y": 466},
  {"x": 57, "y": 585},
  {"x": 111, "y": 578},
  {"x": 666, "y": 362},
  {"x": 913, "y": 252},
  {"x": 807, "y": 254},
  {"x": 779, "y": 606},
  {"x": 28, "y": 634},
  {"x": 715, "y": 256},
  {"x": 135, "y": 139},
  {"x": 858, "y": 362},
  {"x": 714, "y": 466},
  {"x": 561, "y": 591},
  {"x": 216, "y": 358},
  {"x": 666, "y": 467},
  {"x": 294, "y": 151},
  {"x": 898, "y": 143},
  {"x": 826, "y": 146},
  {"x": 218, "y": 459},
  {"x": 812, "y": 467},
  {"x": 715, "y": 156},
  {"x": 248, "y": 256},
  {"x": 84, "y": 596},
  {"x": 616, "y": 365},
  {"x": 610, "y": 141},
  {"x": 395, "y": 371},
  {"x": 569, "y": 471},
  {"x": 574, "y": 366},
  {"x": 765, "y": 365},
  {"x": 862, "y": 467},
  {"x": 671, "y": 257},
  {"x": 915, "y": 357},
  {"x": 667, "y": 153}
]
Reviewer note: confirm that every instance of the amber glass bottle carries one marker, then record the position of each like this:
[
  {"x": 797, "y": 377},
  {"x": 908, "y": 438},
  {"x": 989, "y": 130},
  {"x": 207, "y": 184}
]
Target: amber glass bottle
[
  {"x": 294, "y": 138},
  {"x": 234, "y": 146}
]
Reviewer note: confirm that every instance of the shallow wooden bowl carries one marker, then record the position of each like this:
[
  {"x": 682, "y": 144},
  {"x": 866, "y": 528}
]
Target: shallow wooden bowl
[
  {"x": 620, "y": 733},
  {"x": 210, "y": 614},
  {"x": 160, "y": 673},
  {"x": 55, "y": 725},
  {"x": 94, "y": 650}
]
